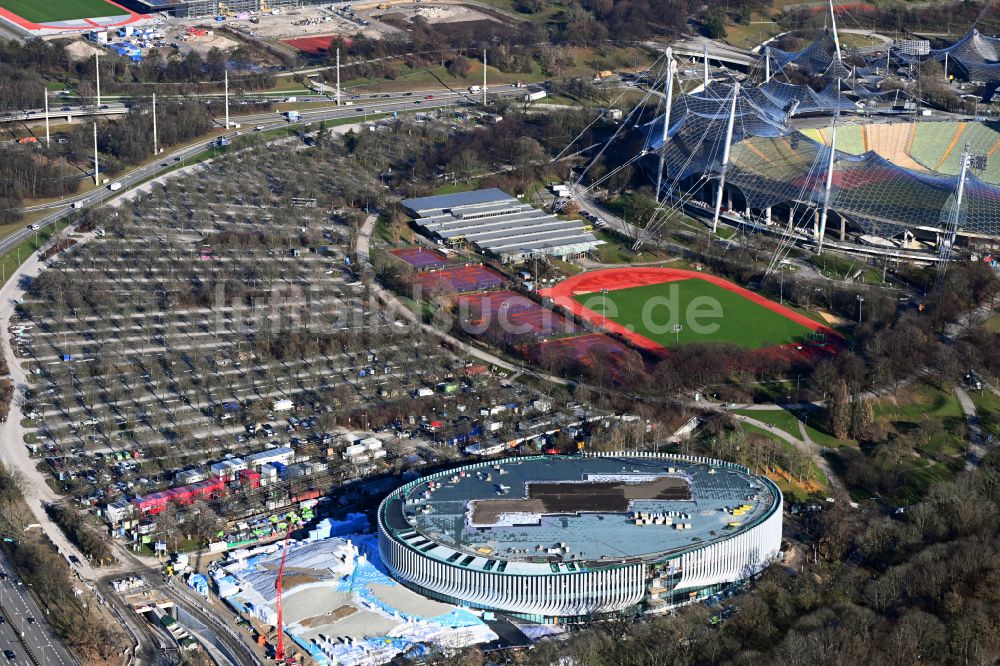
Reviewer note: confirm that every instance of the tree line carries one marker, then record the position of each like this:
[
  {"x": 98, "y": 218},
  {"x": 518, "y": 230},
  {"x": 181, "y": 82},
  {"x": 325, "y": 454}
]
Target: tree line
[
  {"x": 26, "y": 69},
  {"x": 877, "y": 590},
  {"x": 34, "y": 171}
]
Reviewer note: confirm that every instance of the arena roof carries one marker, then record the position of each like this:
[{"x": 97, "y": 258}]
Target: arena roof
[
  {"x": 563, "y": 514},
  {"x": 977, "y": 54},
  {"x": 498, "y": 223},
  {"x": 773, "y": 164}
]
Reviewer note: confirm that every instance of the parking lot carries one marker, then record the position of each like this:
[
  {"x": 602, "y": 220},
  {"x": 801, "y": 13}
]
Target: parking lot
[{"x": 217, "y": 317}]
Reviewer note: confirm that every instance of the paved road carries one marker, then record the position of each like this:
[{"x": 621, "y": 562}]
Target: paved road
[
  {"x": 59, "y": 109},
  {"x": 976, "y": 451},
  {"x": 399, "y": 103},
  {"x": 15, "y": 456},
  {"x": 694, "y": 47},
  {"x": 57, "y": 113},
  {"x": 25, "y": 617},
  {"x": 363, "y": 249}
]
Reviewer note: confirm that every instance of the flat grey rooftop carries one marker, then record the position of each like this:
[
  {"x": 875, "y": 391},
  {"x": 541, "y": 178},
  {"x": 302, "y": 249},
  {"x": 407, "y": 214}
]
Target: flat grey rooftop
[
  {"x": 573, "y": 527},
  {"x": 498, "y": 223},
  {"x": 425, "y": 206}
]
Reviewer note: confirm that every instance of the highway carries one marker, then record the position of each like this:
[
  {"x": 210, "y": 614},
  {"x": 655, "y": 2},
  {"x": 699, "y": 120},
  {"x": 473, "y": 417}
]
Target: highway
[
  {"x": 35, "y": 634},
  {"x": 233, "y": 646},
  {"x": 60, "y": 112},
  {"x": 360, "y": 109},
  {"x": 60, "y": 109}
]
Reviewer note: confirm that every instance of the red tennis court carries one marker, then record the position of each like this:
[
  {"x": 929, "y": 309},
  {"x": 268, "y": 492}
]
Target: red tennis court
[
  {"x": 463, "y": 278},
  {"x": 312, "y": 45},
  {"x": 420, "y": 257},
  {"x": 587, "y": 350},
  {"x": 513, "y": 313}
]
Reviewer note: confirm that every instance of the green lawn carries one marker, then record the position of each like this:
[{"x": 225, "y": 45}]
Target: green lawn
[
  {"x": 453, "y": 188},
  {"x": 10, "y": 261},
  {"x": 707, "y": 313},
  {"x": 788, "y": 489},
  {"x": 918, "y": 402},
  {"x": 788, "y": 421},
  {"x": 988, "y": 409},
  {"x": 779, "y": 418},
  {"x": 614, "y": 251},
  {"x": 41, "y": 11},
  {"x": 992, "y": 324}
]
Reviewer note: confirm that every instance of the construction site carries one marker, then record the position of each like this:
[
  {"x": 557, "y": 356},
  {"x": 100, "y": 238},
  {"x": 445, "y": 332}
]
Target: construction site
[{"x": 330, "y": 595}]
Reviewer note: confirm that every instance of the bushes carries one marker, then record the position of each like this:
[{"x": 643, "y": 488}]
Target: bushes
[
  {"x": 715, "y": 25},
  {"x": 885, "y": 590},
  {"x": 86, "y": 538}
]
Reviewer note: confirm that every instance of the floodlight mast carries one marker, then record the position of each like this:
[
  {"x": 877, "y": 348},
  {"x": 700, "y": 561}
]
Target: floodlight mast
[
  {"x": 668, "y": 89},
  {"x": 836, "y": 38},
  {"x": 948, "y": 244},
  {"x": 97, "y": 171},
  {"x": 725, "y": 158},
  {"x": 821, "y": 234},
  {"x": 705, "y": 64}
]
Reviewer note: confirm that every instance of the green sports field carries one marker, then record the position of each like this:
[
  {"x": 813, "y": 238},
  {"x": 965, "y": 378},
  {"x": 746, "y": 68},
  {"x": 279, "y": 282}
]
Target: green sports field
[
  {"x": 707, "y": 313},
  {"x": 42, "y": 11}
]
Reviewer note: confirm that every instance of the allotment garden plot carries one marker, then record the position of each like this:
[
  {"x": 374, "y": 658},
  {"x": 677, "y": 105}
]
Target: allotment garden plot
[{"x": 199, "y": 310}]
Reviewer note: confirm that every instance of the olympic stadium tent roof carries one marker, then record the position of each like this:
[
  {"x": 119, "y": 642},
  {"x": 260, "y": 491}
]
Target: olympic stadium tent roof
[
  {"x": 771, "y": 164},
  {"x": 817, "y": 58},
  {"x": 497, "y": 223},
  {"x": 977, "y": 55},
  {"x": 826, "y": 101}
]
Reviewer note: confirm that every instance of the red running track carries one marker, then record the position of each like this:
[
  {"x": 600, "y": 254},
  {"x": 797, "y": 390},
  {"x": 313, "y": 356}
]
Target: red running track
[
  {"x": 71, "y": 24},
  {"x": 614, "y": 279}
]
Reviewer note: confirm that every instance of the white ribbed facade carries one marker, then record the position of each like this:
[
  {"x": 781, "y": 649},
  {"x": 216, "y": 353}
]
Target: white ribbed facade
[
  {"x": 564, "y": 595},
  {"x": 734, "y": 559},
  {"x": 653, "y": 582}
]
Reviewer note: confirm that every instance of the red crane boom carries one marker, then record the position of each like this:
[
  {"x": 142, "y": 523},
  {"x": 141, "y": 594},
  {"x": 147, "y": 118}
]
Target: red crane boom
[{"x": 279, "y": 652}]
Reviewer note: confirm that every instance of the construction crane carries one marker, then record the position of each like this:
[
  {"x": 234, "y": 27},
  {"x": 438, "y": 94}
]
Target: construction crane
[{"x": 279, "y": 651}]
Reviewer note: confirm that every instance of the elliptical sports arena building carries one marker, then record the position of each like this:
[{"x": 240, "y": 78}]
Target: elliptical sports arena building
[{"x": 574, "y": 538}]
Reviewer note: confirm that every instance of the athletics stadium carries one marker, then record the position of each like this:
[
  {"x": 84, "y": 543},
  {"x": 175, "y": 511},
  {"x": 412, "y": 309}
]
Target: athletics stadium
[{"x": 847, "y": 164}]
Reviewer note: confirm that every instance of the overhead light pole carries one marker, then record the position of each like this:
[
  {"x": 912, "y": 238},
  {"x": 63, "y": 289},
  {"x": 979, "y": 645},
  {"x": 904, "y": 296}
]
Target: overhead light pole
[
  {"x": 96, "y": 169},
  {"x": 97, "y": 71},
  {"x": 48, "y": 141},
  {"x": 156, "y": 145}
]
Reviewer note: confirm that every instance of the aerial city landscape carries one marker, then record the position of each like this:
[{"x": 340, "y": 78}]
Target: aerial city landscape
[{"x": 499, "y": 332}]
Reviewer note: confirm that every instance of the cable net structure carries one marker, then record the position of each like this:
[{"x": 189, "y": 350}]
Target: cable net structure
[
  {"x": 820, "y": 57},
  {"x": 976, "y": 56},
  {"x": 772, "y": 164}
]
